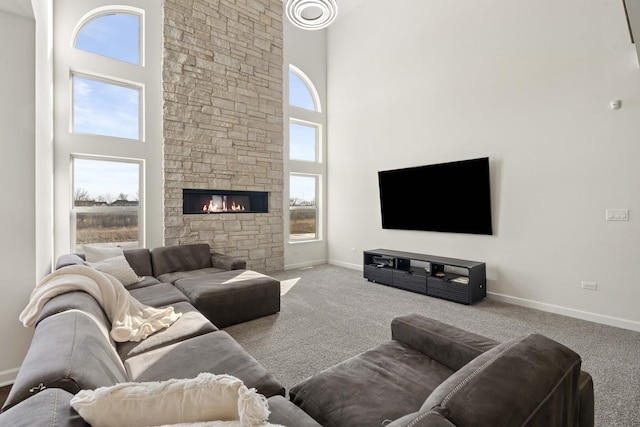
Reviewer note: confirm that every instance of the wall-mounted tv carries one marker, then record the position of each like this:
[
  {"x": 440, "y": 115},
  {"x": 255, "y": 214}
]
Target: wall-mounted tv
[{"x": 452, "y": 197}]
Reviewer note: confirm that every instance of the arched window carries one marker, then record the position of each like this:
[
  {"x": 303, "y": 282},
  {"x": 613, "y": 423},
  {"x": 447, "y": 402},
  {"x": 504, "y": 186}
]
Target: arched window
[
  {"x": 302, "y": 92},
  {"x": 305, "y": 167},
  {"x": 112, "y": 34}
]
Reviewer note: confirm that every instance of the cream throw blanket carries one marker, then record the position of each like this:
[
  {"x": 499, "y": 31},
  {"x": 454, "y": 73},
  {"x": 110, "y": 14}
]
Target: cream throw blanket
[{"x": 130, "y": 319}]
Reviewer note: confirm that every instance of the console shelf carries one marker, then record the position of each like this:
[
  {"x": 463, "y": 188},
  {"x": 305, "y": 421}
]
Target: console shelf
[{"x": 453, "y": 279}]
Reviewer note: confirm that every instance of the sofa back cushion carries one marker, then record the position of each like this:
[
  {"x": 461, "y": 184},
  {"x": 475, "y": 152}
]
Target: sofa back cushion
[
  {"x": 169, "y": 259},
  {"x": 51, "y": 408},
  {"x": 528, "y": 381},
  {"x": 451, "y": 346},
  {"x": 69, "y": 350},
  {"x": 140, "y": 260}
]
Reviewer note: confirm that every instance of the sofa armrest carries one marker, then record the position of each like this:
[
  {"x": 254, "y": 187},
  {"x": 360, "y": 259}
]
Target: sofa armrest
[
  {"x": 69, "y": 259},
  {"x": 227, "y": 262},
  {"x": 586, "y": 416},
  {"x": 451, "y": 346}
]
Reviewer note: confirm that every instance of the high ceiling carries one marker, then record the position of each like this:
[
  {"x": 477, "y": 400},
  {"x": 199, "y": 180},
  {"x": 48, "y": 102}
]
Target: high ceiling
[
  {"x": 23, "y": 7},
  {"x": 346, "y": 6}
]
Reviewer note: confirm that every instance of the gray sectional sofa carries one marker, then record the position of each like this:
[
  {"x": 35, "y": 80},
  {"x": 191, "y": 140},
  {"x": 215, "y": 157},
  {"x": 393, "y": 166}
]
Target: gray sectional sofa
[
  {"x": 72, "y": 350},
  {"x": 428, "y": 374},
  {"x": 433, "y": 374}
]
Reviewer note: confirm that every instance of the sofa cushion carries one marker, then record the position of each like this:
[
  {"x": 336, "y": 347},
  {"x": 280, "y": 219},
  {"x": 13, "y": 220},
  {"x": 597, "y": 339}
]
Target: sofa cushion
[
  {"x": 179, "y": 275},
  {"x": 379, "y": 385},
  {"x": 233, "y": 296},
  {"x": 285, "y": 413},
  {"x": 192, "y": 323},
  {"x": 49, "y": 408},
  {"x": 168, "y": 259},
  {"x": 140, "y": 260},
  {"x": 160, "y": 294},
  {"x": 528, "y": 381},
  {"x": 146, "y": 281},
  {"x": 70, "y": 350},
  {"x": 75, "y": 300},
  {"x": 215, "y": 352}
]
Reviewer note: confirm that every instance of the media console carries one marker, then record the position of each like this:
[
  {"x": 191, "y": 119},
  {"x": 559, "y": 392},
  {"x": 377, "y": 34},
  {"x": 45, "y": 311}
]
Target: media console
[{"x": 453, "y": 279}]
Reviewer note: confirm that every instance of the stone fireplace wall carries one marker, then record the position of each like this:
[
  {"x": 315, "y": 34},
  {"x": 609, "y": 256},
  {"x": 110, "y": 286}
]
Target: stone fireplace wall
[{"x": 223, "y": 122}]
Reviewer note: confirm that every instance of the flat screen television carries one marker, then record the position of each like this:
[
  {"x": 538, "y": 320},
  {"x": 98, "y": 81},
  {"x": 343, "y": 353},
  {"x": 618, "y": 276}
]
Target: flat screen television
[{"x": 452, "y": 197}]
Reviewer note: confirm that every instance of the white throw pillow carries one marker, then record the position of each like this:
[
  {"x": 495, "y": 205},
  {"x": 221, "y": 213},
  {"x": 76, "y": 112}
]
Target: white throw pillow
[
  {"x": 118, "y": 267},
  {"x": 208, "y": 397},
  {"x": 100, "y": 253}
]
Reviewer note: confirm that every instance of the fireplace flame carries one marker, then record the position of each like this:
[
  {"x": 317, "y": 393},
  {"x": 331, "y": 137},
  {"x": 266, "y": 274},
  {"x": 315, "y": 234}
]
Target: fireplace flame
[{"x": 213, "y": 207}]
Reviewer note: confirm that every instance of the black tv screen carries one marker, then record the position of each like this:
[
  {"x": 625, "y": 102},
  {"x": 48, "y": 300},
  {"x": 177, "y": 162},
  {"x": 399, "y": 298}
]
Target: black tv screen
[{"x": 452, "y": 197}]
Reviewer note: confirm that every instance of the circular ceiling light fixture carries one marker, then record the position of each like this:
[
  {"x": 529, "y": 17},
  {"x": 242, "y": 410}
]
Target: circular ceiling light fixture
[{"x": 311, "y": 14}]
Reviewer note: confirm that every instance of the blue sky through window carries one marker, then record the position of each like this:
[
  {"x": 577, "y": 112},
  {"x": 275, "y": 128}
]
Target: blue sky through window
[
  {"x": 115, "y": 36},
  {"x": 299, "y": 94},
  {"x": 108, "y": 109},
  {"x": 302, "y": 142}
]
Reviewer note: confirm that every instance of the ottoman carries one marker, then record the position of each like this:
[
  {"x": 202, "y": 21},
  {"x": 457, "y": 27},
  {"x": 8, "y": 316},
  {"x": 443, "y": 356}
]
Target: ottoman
[{"x": 234, "y": 296}]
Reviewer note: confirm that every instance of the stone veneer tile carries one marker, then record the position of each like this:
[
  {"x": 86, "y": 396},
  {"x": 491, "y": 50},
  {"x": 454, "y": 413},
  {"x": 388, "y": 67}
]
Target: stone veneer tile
[{"x": 223, "y": 122}]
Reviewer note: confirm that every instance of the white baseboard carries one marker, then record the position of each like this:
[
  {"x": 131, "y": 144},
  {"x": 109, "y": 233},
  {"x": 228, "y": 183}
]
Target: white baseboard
[
  {"x": 346, "y": 265},
  {"x": 551, "y": 308},
  {"x": 304, "y": 265},
  {"x": 566, "y": 311},
  {"x": 8, "y": 377}
]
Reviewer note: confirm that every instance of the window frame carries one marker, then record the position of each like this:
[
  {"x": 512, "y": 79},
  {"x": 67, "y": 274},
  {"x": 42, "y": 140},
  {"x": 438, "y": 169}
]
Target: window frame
[
  {"x": 112, "y": 81},
  {"x": 317, "y": 143},
  {"x": 315, "y": 97},
  {"x": 317, "y": 168},
  {"x": 316, "y": 198},
  {"x": 69, "y": 18},
  {"x": 75, "y": 210},
  {"x": 113, "y": 10}
]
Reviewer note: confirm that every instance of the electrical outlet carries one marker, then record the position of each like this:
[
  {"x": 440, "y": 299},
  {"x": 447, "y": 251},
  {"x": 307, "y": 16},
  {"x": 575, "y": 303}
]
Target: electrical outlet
[
  {"x": 617, "y": 214},
  {"x": 590, "y": 286},
  {"x": 353, "y": 250}
]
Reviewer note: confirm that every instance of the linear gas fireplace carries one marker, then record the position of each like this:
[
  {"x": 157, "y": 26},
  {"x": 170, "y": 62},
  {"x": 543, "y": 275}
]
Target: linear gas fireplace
[{"x": 224, "y": 201}]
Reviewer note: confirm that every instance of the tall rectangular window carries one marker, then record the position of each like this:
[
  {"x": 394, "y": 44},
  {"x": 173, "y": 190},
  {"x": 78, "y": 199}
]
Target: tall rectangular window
[
  {"x": 303, "y": 209},
  {"x": 106, "y": 108},
  {"x": 106, "y": 202},
  {"x": 303, "y": 141}
]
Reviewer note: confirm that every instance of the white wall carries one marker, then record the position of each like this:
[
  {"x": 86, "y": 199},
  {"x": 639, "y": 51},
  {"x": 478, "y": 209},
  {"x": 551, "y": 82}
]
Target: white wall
[
  {"x": 527, "y": 84},
  {"x": 17, "y": 175}
]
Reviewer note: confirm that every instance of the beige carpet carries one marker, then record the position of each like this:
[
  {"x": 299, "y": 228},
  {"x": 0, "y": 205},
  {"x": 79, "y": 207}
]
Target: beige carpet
[{"x": 331, "y": 313}]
